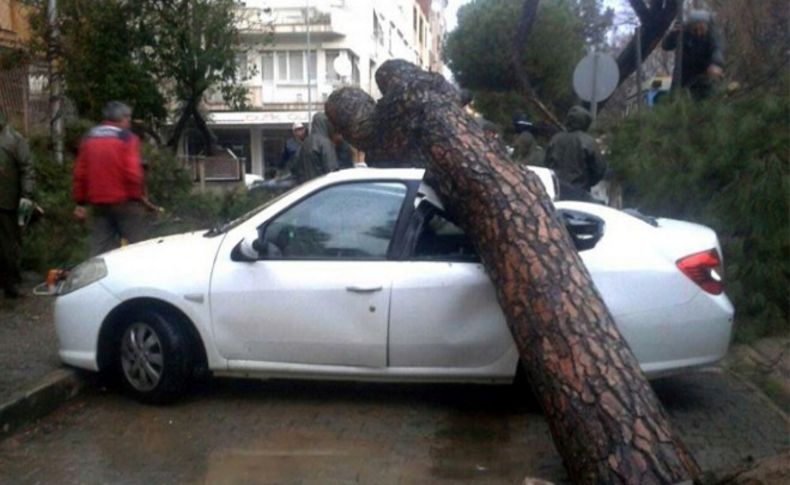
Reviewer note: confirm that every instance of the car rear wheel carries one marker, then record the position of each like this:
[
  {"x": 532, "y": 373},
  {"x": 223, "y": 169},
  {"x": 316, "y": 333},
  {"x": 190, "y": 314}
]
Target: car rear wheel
[{"x": 154, "y": 358}]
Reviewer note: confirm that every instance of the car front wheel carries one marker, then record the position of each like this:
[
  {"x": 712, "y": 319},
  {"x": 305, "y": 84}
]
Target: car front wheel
[{"x": 154, "y": 358}]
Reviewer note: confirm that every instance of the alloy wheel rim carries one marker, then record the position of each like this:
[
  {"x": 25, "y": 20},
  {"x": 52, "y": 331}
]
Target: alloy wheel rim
[{"x": 142, "y": 357}]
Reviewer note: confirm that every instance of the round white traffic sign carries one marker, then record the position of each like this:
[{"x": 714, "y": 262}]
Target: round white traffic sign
[{"x": 596, "y": 77}]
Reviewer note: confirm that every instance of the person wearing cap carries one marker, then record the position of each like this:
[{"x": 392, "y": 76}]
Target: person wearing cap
[
  {"x": 292, "y": 145},
  {"x": 108, "y": 177},
  {"x": 703, "y": 54},
  {"x": 17, "y": 182},
  {"x": 318, "y": 155},
  {"x": 526, "y": 150}
]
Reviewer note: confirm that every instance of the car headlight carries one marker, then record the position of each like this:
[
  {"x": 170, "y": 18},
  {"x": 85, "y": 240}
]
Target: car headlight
[{"x": 84, "y": 274}]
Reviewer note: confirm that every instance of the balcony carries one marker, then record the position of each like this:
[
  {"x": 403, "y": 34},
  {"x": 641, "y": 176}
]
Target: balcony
[{"x": 288, "y": 24}]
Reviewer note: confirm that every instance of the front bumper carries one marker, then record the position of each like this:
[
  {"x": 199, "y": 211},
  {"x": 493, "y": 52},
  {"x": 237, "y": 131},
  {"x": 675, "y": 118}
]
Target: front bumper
[{"x": 78, "y": 319}]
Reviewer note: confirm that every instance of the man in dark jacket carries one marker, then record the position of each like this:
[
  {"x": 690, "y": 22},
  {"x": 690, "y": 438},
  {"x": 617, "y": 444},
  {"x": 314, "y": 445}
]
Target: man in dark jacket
[
  {"x": 526, "y": 150},
  {"x": 574, "y": 154},
  {"x": 703, "y": 55},
  {"x": 16, "y": 191},
  {"x": 318, "y": 154},
  {"x": 108, "y": 175},
  {"x": 292, "y": 145}
]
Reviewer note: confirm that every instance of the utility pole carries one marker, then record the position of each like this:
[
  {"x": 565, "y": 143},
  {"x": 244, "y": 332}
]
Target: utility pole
[
  {"x": 677, "y": 75},
  {"x": 309, "y": 80},
  {"x": 55, "y": 86},
  {"x": 639, "y": 60}
]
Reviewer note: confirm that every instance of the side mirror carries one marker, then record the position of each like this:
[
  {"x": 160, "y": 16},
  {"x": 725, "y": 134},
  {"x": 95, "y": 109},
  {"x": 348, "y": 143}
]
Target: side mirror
[
  {"x": 585, "y": 230},
  {"x": 248, "y": 249}
]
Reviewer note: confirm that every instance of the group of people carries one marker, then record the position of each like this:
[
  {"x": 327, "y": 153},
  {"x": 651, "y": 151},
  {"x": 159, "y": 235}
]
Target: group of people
[
  {"x": 573, "y": 154},
  {"x": 323, "y": 150},
  {"x": 108, "y": 180},
  {"x": 108, "y": 173}
]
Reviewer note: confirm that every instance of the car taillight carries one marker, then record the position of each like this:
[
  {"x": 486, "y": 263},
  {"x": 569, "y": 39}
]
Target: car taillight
[{"x": 705, "y": 270}]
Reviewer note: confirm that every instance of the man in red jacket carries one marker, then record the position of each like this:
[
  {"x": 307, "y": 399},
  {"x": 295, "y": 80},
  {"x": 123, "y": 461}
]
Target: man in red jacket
[{"x": 108, "y": 176}]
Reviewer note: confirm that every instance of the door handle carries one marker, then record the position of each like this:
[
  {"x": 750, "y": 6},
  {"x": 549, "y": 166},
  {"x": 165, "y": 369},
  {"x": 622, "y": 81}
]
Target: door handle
[{"x": 364, "y": 289}]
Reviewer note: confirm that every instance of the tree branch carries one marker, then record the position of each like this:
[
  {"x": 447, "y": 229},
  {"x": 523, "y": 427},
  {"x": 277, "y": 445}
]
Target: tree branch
[
  {"x": 525, "y": 23},
  {"x": 658, "y": 19},
  {"x": 641, "y": 10}
]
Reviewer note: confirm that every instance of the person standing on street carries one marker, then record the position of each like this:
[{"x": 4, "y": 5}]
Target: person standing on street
[
  {"x": 17, "y": 182},
  {"x": 108, "y": 176},
  {"x": 703, "y": 55},
  {"x": 292, "y": 145},
  {"x": 526, "y": 150},
  {"x": 575, "y": 157},
  {"x": 318, "y": 154}
]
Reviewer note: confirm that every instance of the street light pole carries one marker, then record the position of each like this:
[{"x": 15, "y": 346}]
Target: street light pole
[
  {"x": 309, "y": 80},
  {"x": 55, "y": 93}
]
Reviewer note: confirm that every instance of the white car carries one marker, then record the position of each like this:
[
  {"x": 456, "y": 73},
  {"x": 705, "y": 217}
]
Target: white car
[{"x": 361, "y": 275}]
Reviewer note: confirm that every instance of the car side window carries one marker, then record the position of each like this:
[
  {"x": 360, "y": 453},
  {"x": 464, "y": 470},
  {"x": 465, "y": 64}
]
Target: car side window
[
  {"x": 346, "y": 221},
  {"x": 441, "y": 240}
]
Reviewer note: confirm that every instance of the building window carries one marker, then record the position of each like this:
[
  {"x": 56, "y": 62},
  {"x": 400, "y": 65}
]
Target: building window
[
  {"x": 291, "y": 66},
  {"x": 422, "y": 36},
  {"x": 295, "y": 66},
  {"x": 282, "y": 66},
  {"x": 241, "y": 66},
  {"x": 333, "y": 77},
  {"x": 378, "y": 32},
  {"x": 312, "y": 67},
  {"x": 354, "y": 69},
  {"x": 267, "y": 66}
]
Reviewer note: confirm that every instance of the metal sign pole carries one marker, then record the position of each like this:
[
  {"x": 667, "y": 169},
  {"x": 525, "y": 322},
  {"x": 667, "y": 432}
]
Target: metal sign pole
[
  {"x": 677, "y": 77},
  {"x": 639, "y": 79},
  {"x": 309, "y": 81},
  {"x": 594, "y": 100},
  {"x": 56, "y": 89}
]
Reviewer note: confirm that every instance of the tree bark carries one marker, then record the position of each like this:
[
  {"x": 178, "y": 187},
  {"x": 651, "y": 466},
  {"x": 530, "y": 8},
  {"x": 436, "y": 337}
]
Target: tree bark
[{"x": 605, "y": 419}]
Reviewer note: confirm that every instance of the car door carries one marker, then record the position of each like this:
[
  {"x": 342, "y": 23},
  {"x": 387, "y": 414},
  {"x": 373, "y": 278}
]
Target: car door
[
  {"x": 320, "y": 293},
  {"x": 444, "y": 312}
]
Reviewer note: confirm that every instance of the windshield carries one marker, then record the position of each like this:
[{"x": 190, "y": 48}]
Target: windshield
[{"x": 223, "y": 228}]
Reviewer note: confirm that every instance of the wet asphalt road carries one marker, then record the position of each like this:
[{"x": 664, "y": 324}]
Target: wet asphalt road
[{"x": 338, "y": 433}]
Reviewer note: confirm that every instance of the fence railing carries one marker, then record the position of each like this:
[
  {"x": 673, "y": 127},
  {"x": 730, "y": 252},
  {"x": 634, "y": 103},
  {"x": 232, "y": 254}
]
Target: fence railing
[{"x": 224, "y": 167}]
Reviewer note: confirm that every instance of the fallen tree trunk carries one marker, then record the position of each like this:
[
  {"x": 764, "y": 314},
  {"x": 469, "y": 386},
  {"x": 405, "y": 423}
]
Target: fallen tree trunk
[{"x": 605, "y": 419}]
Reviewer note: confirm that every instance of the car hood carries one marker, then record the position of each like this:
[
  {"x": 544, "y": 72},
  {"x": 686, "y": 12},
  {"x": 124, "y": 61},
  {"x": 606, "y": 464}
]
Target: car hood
[{"x": 179, "y": 264}]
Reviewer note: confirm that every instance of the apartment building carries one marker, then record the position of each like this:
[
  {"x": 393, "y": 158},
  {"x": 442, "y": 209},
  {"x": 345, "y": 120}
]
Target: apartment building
[{"x": 294, "y": 53}]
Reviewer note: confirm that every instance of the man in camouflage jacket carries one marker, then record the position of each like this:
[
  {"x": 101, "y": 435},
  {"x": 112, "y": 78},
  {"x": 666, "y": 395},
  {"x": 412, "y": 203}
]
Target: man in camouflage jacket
[{"x": 16, "y": 190}]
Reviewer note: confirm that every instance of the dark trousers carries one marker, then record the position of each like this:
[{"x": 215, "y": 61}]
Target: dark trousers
[
  {"x": 10, "y": 249},
  {"x": 109, "y": 223}
]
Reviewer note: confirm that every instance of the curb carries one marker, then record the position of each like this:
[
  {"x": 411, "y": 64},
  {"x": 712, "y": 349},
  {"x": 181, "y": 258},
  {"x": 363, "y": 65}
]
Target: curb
[{"x": 49, "y": 393}]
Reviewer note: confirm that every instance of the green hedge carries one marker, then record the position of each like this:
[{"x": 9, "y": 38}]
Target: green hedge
[{"x": 722, "y": 163}]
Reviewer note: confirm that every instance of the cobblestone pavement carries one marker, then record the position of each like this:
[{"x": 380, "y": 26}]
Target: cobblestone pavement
[
  {"x": 28, "y": 345},
  {"x": 337, "y": 433}
]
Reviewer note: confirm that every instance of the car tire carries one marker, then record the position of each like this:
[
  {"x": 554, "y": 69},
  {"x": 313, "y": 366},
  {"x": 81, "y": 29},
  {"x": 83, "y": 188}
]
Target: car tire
[{"x": 153, "y": 358}]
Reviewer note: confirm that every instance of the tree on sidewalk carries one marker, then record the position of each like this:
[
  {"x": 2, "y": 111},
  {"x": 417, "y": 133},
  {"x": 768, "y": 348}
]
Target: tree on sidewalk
[
  {"x": 605, "y": 419},
  {"x": 99, "y": 57},
  {"x": 195, "y": 44}
]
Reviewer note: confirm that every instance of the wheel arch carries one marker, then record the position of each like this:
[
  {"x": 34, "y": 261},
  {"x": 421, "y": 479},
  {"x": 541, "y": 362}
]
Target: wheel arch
[{"x": 113, "y": 324}]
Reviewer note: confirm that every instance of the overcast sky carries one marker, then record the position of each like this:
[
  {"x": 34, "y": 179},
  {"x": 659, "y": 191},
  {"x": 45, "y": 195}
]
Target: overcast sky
[{"x": 452, "y": 9}]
